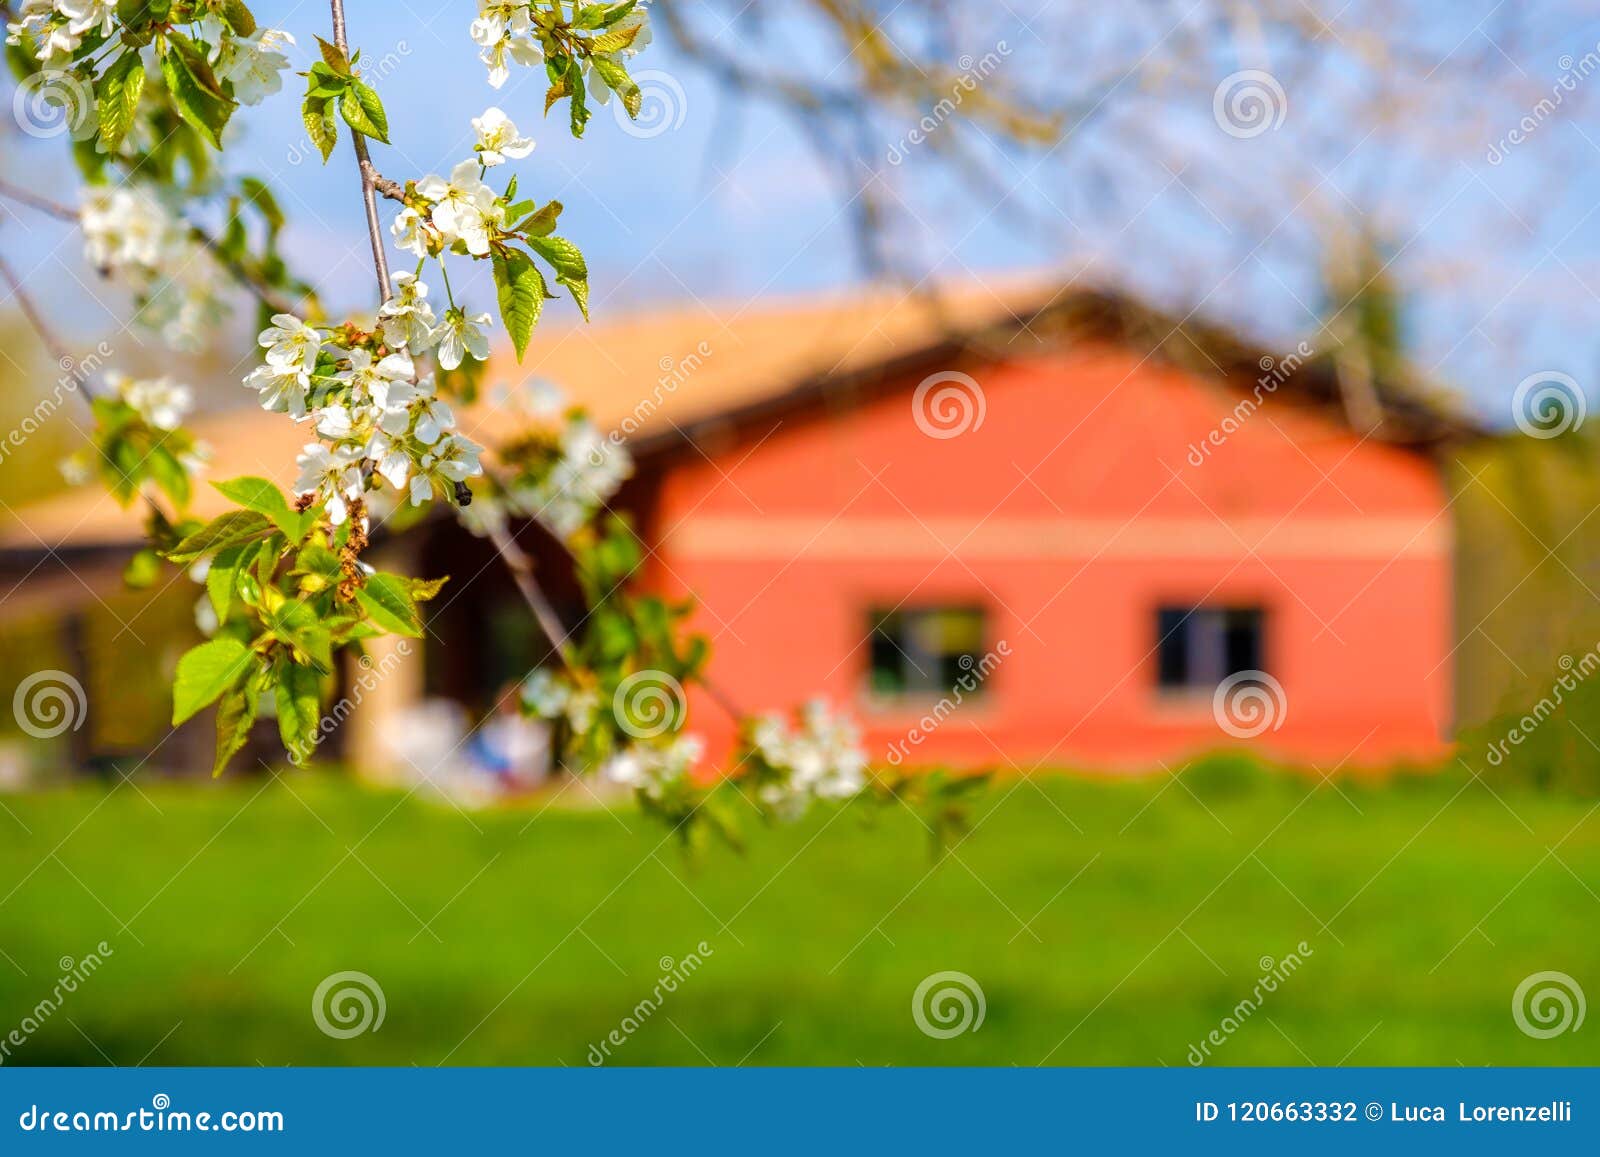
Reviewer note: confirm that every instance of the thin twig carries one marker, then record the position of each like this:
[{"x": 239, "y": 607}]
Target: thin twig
[
  {"x": 43, "y": 204},
  {"x": 521, "y": 568},
  {"x": 251, "y": 281},
  {"x": 32, "y": 315},
  {"x": 369, "y": 175},
  {"x": 57, "y": 348}
]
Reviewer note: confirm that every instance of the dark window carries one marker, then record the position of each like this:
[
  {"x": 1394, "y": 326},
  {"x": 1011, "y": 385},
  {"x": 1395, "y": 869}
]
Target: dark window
[
  {"x": 1199, "y": 647},
  {"x": 924, "y": 651}
]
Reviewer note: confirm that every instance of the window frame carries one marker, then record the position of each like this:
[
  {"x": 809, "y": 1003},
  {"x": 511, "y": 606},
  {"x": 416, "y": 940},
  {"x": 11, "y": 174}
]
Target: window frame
[
  {"x": 919, "y": 696},
  {"x": 1206, "y": 688}
]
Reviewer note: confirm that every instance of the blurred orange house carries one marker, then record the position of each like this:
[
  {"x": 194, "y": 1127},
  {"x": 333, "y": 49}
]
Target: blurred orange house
[{"x": 1037, "y": 528}]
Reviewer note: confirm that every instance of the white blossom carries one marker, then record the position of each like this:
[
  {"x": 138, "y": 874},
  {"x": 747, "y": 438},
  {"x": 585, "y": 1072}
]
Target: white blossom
[
  {"x": 89, "y": 15},
  {"x": 129, "y": 233},
  {"x": 460, "y": 335},
  {"x": 546, "y": 693},
  {"x": 290, "y": 342},
  {"x": 385, "y": 384},
  {"x": 334, "y": 476},
  {"x": 390, "y": 459},
  {"x": 334, "y": 422},
  {"x": 653, "y": 769},
  {"x": 160, "y": 402},
  {"x": 410, "y": 232},
  {"x": 61, "y": 26},
  {"x": 254, "y": 64},
  {"x": 283, "y": 388},
  {"x": 498, "y": 139},
  {"x": 504, "y": 32},
  {"x": 464, "y": 208},
  {"x": 589, "y": 472},
  {"x": 453, "y": 459},
  {"x": 406, "y": 318},
  {"x": 821, "y": 759},
  {"x": 127, "y": 226}
]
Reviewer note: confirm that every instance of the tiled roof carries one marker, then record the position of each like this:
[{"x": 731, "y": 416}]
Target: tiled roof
[{"x": 659, "y": 371}]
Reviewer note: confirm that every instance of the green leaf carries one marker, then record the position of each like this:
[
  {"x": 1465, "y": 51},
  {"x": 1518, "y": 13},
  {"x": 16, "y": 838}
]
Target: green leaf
[
  {"x": 296, "y": 691},
  {"x": 263, "y": 497},
  {"x": 387, "y": 600},
  {"x": 222, "y": 577},
  {"x": 119, "y": 90},
  {"x": 321, "y": 127},
  {"x": 236, "y": 715},
  {"x": 375, "y": 121},
  {"x": 204, "y": 673},
  {"x": 615, "y": 40},
  {"x": 580, "y": 107},
  {"x": 239, "y": 18},
  {"x": 571, "y": 269},
  {"x": 619, "y": 82},
  {"x": 317, "y": 568},
  {"x": 541, "y": 223},
  {"x": 194, "y": 88},
  {"x": 519, "y": 287},
  {"x": 334, "y": 56},
  {"x": 229, "y": 529},
  {"x": 168, "y": 473},
  {"x": 424, "y": 589},
  {"x": 142, "y": 570}
]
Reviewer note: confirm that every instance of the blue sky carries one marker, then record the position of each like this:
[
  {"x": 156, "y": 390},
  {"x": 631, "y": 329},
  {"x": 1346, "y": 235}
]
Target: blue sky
[{"x": 1502, "y": 260}]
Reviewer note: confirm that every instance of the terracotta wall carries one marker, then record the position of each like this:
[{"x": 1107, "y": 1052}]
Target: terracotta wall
[{"x": 1095, "y": 488}]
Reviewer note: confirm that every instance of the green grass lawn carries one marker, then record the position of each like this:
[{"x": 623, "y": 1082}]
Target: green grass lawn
[{"x": 1106, "y": 923}]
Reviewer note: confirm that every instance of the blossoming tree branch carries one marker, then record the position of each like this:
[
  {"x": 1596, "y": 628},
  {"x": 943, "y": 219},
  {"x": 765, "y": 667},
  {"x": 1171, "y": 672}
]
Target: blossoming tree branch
[{"x": 287, "y": 590}]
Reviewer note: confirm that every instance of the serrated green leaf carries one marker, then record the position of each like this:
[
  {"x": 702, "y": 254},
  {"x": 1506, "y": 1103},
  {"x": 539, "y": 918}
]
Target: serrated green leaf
[
  {"x": 580, "y": 106},
  {"x": 558, "y": 89},
  {"x": 119, "y": 89},
  {"x": 424, "y": 589},
  {"x": 239, "y": 18},
  {"x": 263, "y": 497},
  {"x": 236, "y": 715},
  {"x": 571, "y": 269},
  {"x": 222, "y": 577},
  {"x": 204, "y": 673},
  {"x": 618, "y": 81},
  {"x": 387, "y": 600},
  {"x": 542, "y": 222},
  {"x": 321, "y": 126},
  {"x": 519, "y": 288},
  {"x": 367, "y": 99},
  {"x": 618, "y": 11},
  {"x": 234, "y": 527},
  {"x": 334, "y": 57},
  {"x": 194, "y": 88},
  {"x": 615, "y": 40},
  {"x": 297, "y": 692}
]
